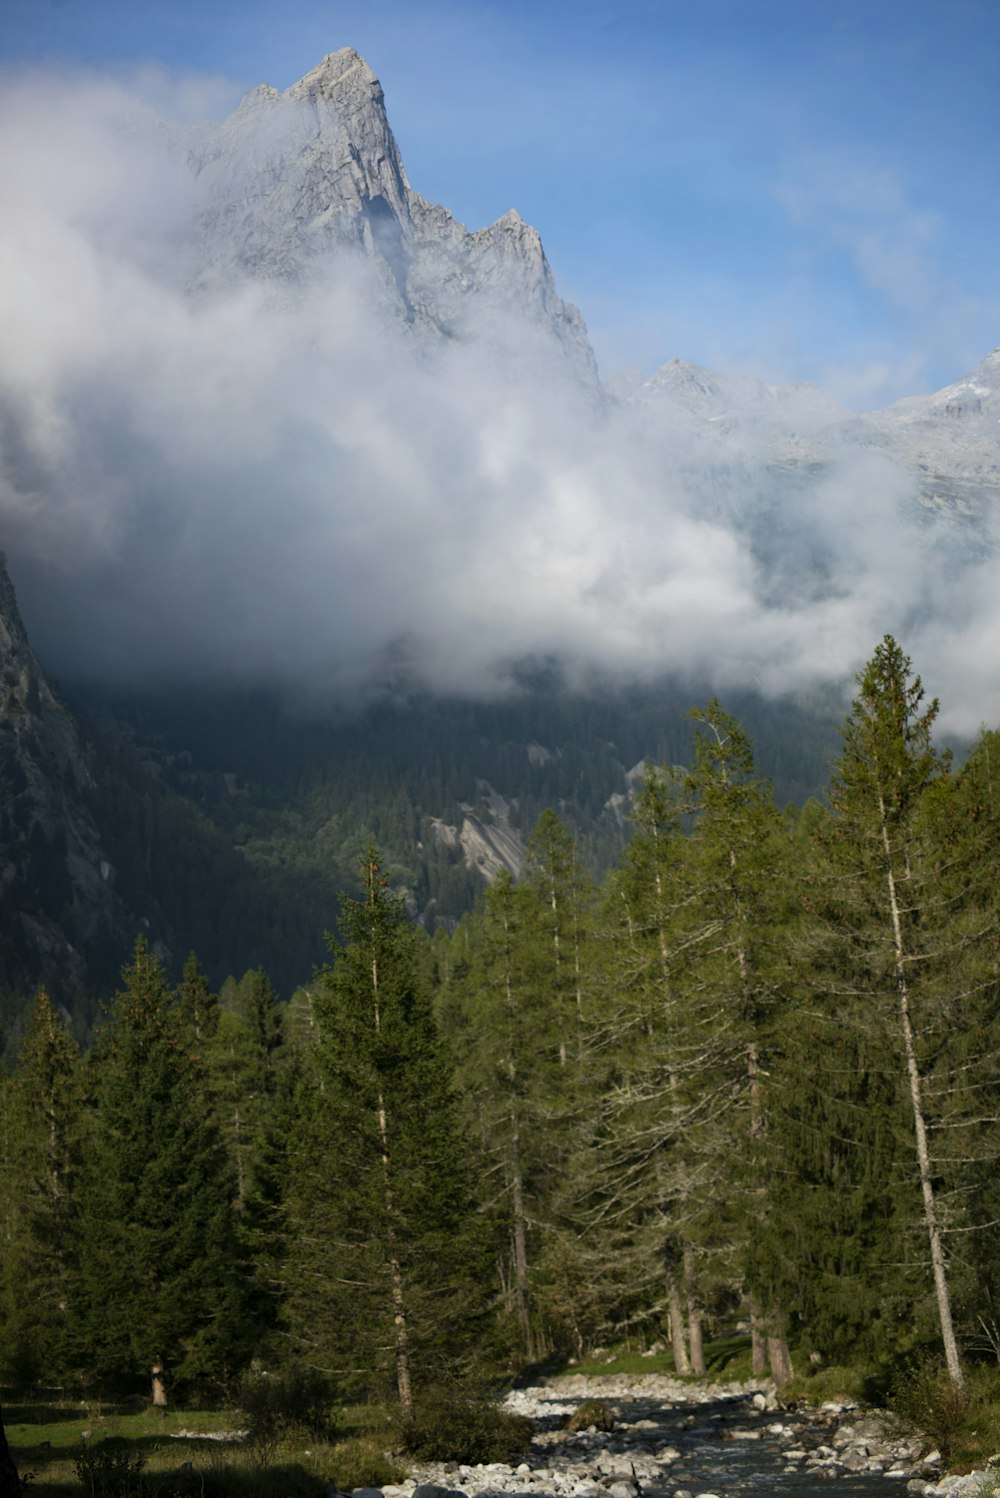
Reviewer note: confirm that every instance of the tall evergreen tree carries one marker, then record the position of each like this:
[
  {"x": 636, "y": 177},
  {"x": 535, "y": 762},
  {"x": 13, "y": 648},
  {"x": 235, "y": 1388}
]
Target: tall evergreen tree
[
  {"x": 243, "y": 1061},
  {"x": 655, "y": 1032},
  {"x": 162, "y": 1272},
  {"x": 496, "y": 1004},
  {"x": 39, "y": 1304},
  {"x": 563, "y": 893},
  {"x": 738, "y": 855},
  {"x": 910, "y": 927},
  {"x": 385, "y": 1274}
]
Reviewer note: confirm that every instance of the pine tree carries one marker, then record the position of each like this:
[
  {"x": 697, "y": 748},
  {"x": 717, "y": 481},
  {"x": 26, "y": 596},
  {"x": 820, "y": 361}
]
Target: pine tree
[{"x": 385, "y": 1274}]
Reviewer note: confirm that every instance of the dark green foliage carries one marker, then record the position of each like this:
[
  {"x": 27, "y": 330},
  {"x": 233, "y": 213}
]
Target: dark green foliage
[
  {"x": 386, "y": 1280},
  {"x": 41, "y": 1110},
  {"x": 686, "y": 1101},
  {"x": 292, "y": 1398},
  {"x": 162, "y": 1272},
  {"x": 449, "y": 1427}
]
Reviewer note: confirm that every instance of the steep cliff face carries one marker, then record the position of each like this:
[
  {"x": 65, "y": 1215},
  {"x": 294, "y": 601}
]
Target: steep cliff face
[
  {"x": 56, "y": 884},
  {"x": 291, "y": 178}
]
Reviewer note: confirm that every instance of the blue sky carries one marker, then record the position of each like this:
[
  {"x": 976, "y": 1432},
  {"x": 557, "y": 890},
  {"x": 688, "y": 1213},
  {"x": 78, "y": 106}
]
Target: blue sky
[{"x": 799, "y": 189}]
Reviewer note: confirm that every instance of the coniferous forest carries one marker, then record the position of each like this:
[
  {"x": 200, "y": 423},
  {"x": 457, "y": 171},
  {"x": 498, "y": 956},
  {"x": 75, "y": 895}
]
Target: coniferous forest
[{"x": 747, "y": 1082}]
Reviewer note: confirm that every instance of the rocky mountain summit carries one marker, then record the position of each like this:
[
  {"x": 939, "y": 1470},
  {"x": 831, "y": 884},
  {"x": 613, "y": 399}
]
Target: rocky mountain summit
[{"x": 290, "y": 178}]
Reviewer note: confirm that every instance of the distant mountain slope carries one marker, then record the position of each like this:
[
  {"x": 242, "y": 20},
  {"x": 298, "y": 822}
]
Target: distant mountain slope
[
  {"x": 948, "y": 442},
  {"x": 57, "y": 896}
]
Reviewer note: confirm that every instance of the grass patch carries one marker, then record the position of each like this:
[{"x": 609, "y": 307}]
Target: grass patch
[
  {"x": 725, "y": 1357},
  {"x": 833, "y": 1385},
  {"x": 108, "y": 1451}
]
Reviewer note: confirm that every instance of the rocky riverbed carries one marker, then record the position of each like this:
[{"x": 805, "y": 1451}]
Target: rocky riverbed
[{"x": 675, "y": 1440}]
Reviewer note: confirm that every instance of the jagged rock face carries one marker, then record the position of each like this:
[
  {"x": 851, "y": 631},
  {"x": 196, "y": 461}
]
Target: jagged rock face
[
  {"x": 56, "y": 886},
  {"x": 291, "y": 178}
]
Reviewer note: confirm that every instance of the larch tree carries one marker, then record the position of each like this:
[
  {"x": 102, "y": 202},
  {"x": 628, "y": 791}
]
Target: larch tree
[
  {"x": 914, "y": 933},
  {"x": 735, "y": 846},
  {"x": 658, "y": 1039},
  {"x": 491, "y": 1005},
  {"x": 562, "y": 890}
]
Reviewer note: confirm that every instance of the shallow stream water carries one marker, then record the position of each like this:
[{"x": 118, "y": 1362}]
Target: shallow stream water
[{"x": 678, "y": 1442}]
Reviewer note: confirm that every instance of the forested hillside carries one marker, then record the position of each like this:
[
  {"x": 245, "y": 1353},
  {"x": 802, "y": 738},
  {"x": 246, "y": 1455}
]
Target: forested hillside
[
  {"x": 295, "y": 795},
  {"x": 745, "y": 1080}
]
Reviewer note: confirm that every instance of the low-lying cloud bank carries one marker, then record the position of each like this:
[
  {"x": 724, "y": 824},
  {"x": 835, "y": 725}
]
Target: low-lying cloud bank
[{"x": 275, "y": 484}]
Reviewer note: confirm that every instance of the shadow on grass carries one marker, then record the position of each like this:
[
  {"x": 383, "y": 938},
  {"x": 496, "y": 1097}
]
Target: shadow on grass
[
  {"x": 722, "y": 1354},
  {"x": 290, "y": 1479}
]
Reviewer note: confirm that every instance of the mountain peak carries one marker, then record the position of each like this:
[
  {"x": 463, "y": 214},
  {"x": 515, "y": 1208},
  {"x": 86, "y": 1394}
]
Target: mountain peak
[
  {"x": 337, "y": 70},
  {"x": 291, "y": 178}
]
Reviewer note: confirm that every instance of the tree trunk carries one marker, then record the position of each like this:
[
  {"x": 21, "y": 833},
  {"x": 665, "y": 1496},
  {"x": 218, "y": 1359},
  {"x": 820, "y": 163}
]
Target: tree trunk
[
  {"x": 521, "y": 1292},
  {"x": 404, "y": 1386},
  {"x": 159, "y": 1387},
  {"x": 10, "y": 1483},
  {"x": 693, "y": 1316},
  {"x": 779, "y": 1358},
  {"x": 682, "y": 1362},
  {"x": 941, "y": 1290},
  {"x": 520, "y": 1244},
  {"x": 758, "y": 1342}
]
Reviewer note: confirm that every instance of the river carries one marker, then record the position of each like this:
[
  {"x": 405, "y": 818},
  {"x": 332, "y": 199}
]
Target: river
[{"x": 675, "y": 1440}]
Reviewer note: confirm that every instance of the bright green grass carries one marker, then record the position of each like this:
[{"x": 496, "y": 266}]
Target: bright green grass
[
  {"x": 726, "y": 1358},
  {"x": 28, "y": 1425}
]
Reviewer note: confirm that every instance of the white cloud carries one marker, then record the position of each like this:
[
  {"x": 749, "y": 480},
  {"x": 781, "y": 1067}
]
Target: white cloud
[{"x": 261, "y": 485}]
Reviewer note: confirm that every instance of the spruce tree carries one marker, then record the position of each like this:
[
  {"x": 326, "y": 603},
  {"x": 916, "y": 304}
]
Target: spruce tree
[
  {"x": 386, "y": 1277},
  {"x": 563, "y": 895},
  {"x": 42, "y": 1142},
  {"x": 162, "y": 1273}
]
